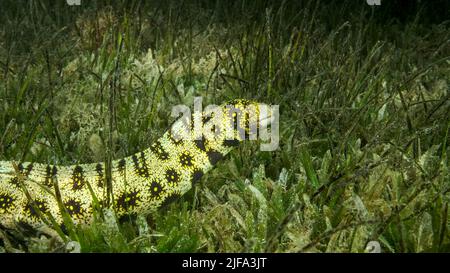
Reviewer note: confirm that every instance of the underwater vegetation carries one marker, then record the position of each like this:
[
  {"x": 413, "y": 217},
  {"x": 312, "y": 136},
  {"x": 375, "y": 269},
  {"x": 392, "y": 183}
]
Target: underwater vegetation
[{"x": 364, "y": 118}]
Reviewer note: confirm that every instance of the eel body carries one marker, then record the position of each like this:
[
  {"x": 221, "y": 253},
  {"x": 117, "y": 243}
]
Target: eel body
[{"x": 36, "y": 194}]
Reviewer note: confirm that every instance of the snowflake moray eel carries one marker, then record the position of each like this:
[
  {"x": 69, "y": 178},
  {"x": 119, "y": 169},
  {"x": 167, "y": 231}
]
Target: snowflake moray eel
[{"x": 36, "y": 194}]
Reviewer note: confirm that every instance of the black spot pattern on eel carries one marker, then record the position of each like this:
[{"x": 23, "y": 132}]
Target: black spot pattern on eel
[
  {"x": 186, "y": 160},
  {"x": 155, "y": 189},
  {"x": 99, "y": 170},
  {"x": 49, "y": 174},
  {"x": 15, "y": 182},
  {"x": 121, "y": 165},
  {"x": 140, "y": 165},
  {"x": 200, "y": 143},
  {"x": 73, "y": 207},
  {"x": 6, "y": 202},
  {"x": 128, "y": 200},
  {"x": 159, "y": 151},
  {"x": 29, "y": 169},
  {"x": 172, "y": 177},
  {"x": 25, "y": 171},
  {"x": 78, "y": 179},
  {"x": 37, "y": 204}
]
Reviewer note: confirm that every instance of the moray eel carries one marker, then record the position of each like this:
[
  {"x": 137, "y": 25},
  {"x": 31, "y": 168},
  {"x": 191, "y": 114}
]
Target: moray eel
[{"x": 38, "y": 194}]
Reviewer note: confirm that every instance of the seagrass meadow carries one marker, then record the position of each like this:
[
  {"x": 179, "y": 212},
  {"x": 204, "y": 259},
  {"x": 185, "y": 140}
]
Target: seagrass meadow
[{"x": 363, "y": 93}]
